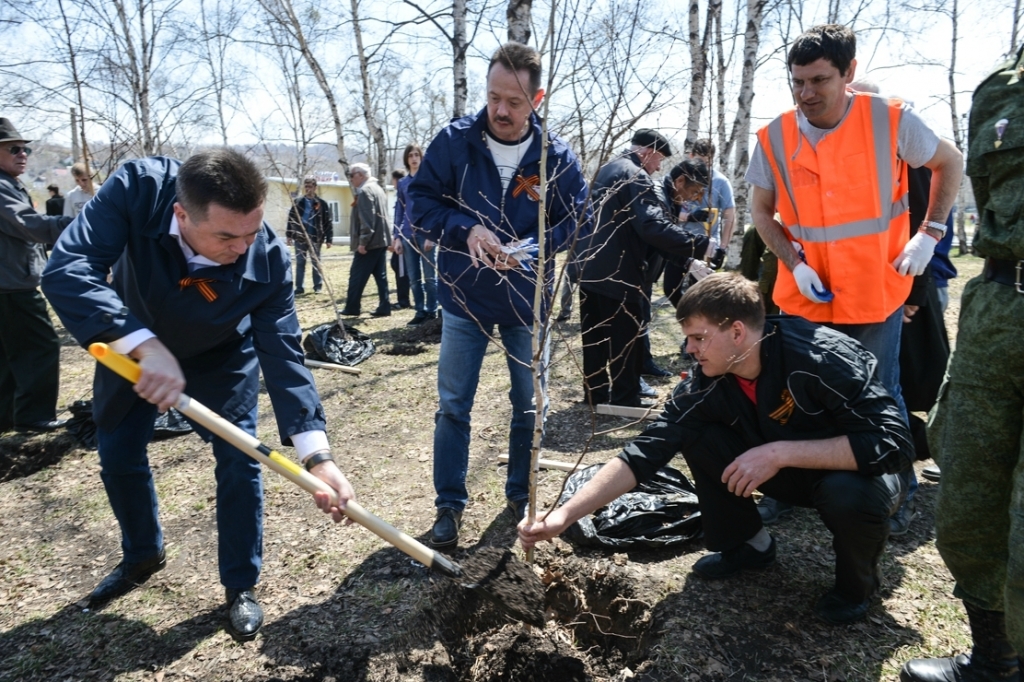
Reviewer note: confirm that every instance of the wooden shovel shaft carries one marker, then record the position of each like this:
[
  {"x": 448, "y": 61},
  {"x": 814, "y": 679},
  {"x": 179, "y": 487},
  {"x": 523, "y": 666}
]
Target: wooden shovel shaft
[{"x": 251, "y": 446}]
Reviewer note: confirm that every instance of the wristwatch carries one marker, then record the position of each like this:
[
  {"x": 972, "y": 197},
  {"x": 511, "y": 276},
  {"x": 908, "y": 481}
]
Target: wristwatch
[
  {"x": 938, "y": 227},
  {"x": 317, "y": 459}
]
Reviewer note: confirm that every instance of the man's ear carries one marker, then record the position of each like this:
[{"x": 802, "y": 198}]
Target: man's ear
[
  {"x": 850, "y": 72},
  {"x": 180, "y": 213},
  {"x": 538, "y": 97},
  {"x": 739, "y": 331}
]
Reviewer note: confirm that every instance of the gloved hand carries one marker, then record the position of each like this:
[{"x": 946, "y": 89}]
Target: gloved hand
[
  {"x": 916, "y": 255},
  {"x": 700, "y": 215},
  {"x": 810, "y": 285},
  {"x": 699, "y": 269},
  {"x": 718, "y": 259}
]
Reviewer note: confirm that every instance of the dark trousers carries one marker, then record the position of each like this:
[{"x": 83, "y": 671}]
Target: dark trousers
[
  {"x": 854, "y": 507},
  {"x": 302, "y": 254},
  {"x": 613, "y": 354},
  {"x": 364, "y": 265},
  {"x": 673, "y": 282},
  {"x": 124, "y": 469},
  {"x": 29, "y": 360},
  {"x": 402, "y": 288}
]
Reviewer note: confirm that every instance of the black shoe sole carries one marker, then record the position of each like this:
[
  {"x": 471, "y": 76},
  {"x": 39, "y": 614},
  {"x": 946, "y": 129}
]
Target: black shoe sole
[{"x": 240, "y": 637}]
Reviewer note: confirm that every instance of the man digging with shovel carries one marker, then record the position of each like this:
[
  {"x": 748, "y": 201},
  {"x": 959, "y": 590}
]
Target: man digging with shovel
[{"x": 201, "y": 295}]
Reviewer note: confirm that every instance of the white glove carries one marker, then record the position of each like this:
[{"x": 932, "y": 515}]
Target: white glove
[
  {"x": 916, "y": 256},
  {"x": 712, "y": 245},
  {"x": 807, "y": 281}
]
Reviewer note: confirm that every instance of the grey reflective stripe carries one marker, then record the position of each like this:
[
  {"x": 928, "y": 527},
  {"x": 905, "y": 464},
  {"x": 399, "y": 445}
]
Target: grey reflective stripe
[{"x": 883, "y": 171}]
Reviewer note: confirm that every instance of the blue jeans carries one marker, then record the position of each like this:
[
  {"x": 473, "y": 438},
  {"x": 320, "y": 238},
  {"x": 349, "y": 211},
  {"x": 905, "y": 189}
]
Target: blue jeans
[
  {"x": 463, "y": 344},
  {"x": 302, "y": 250},
  {"x": 421, "y": 267},
  {"x": 882, "y": 339},
  {"x": 128, "y": 480}
]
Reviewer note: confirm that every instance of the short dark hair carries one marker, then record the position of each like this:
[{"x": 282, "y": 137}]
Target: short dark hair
[
  {"x": 223, "y": 177},
  {"x": 518, "y": 57},
  {"x": 53, "y": 188},
  {"x": 723, "y": 298},
  {"x": 703, "y": 147},
  {"x": 409, "y": 149},
  {"x": 694, "y": 170},
  {"x": 833, "y": 42}
]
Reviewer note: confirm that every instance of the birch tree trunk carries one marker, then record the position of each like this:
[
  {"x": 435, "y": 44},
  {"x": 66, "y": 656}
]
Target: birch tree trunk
[
  {"x": 376, "y": 132},
  {"x": 282, "y": 12},
  {"x": 459, "y": 45},
  {"x": 698, "y": 72},
  {"x": 77, "y": 81},
  {"x": 740, "y": 137},
  {"x": 518, "y": 14},
  {"x": 961, "y": 228}
]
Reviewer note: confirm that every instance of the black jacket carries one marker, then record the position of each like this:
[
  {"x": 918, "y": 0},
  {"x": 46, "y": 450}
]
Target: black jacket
[
  {"x": 815, "y": 383},
  {"x": 634, "y": 226},
  {"x": 323, "y": 227}
]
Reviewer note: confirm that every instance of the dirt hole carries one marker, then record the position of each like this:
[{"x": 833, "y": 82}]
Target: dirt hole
[
  {"x": 596, "y": 628},
  {"x": 401, "y": 348}
]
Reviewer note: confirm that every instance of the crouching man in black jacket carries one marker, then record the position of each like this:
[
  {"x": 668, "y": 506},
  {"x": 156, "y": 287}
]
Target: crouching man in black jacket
[{"x": 779, "y": 405}]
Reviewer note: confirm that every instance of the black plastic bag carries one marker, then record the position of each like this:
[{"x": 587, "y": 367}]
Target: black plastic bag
[
  {"x": 662, "y": 512},
  {"x": 326, "y": 344},
  {"x": 170, "y": 424},
  {"x": 81, "y": 425}
]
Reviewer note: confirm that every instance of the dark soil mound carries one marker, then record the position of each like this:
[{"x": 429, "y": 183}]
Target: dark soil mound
[{"x": 25, "y": 454}]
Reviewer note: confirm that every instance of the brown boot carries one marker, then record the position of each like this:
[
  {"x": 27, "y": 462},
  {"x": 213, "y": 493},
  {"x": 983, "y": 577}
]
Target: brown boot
[{"x": 992, "y": 659}]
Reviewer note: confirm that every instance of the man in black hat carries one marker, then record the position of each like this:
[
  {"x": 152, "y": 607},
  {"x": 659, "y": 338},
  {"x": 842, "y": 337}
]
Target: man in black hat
[
  {"x": 29, "y": 348},
  {"x": 633, "y": 230}
]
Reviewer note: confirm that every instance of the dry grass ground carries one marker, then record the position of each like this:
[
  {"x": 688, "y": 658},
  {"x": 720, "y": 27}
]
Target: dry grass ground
[{"x": 340, "y": 602}]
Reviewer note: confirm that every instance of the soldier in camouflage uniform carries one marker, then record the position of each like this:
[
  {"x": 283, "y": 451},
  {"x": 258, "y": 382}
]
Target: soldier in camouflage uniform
[{"x": 977, "y": 427}]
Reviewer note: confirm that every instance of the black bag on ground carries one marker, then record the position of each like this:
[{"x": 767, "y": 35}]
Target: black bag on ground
[
  {"x": 81, "y": 425},
  {"x": 661, "y": 512},
  {"x": 327, "y": 344}
]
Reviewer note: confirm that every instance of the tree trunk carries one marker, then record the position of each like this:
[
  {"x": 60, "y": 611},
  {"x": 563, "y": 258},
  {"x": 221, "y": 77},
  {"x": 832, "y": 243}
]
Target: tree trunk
[
  {"x": 698, "y": 72},
  {"x": 961, "y": 230},
  {"x": 459, "y": 45},
  {"x": 368, "y": 114},
  {"x": 740, "y": 136},
  {"x": 1015, "y": 25},
  {"x": 519, "y": 24}
]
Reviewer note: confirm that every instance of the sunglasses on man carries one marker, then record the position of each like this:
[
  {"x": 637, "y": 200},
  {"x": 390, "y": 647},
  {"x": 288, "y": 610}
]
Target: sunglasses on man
[{"x": 16, "y": 149}]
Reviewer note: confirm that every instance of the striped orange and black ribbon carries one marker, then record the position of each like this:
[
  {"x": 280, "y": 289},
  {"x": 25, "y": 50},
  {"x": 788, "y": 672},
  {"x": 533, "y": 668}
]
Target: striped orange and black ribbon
[
  {"x": 203, "y": 285},
  {"x": 527, "y": 184}
]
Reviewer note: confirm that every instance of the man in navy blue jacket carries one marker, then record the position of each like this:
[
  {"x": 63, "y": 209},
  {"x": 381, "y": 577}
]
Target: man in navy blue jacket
[
  {"x": 478, "y": 191},
  {"x": 201, "y": 295}
]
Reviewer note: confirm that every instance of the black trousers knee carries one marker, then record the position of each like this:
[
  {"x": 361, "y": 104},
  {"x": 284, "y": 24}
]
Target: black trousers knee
[{"x": 854, "y": 507}]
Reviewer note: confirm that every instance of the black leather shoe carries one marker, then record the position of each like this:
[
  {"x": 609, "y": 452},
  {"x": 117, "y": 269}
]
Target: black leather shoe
[
  {"x": 245, "y": 615},
  {"x": 41, "y": 427},
  {"x": 652, "y": 370},
  {"x": 349, "y": 313},
  {"x": 723, "y": 564},
  {"x": 381, "y": 313},
  {"x": 445, "y": 532},
  {"x": 835, "y": 609},
  {"x": 931, "y": 473},
  {"x": 771, "y": 510},
  {"x": 899, "y": 523},
  {"x": 518, "y": 509},
  {"x": 124, "y": 578},
  {"x": 646, "y": 391},
  {"x": 958, "y": 669}
]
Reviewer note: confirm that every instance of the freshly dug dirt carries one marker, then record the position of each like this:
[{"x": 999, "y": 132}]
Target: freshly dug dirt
[{"x": 499, "y": 576}]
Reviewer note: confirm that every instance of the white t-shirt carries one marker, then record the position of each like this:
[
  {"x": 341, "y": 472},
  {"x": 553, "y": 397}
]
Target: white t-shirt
[
  {"x": 75, "y": 200},
  {"x": 507, "y": 156},
  {"x": 916, "y": 144}
]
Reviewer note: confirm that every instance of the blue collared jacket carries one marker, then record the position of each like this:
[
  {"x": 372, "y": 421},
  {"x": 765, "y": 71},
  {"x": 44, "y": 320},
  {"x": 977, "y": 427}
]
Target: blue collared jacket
[
  {"x": 458, "y": 187},
  {"x": 221, "y": 344}
]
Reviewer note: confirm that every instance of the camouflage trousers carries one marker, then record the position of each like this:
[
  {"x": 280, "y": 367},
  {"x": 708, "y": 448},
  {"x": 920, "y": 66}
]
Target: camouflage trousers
[{"x": 976, "y": 434}]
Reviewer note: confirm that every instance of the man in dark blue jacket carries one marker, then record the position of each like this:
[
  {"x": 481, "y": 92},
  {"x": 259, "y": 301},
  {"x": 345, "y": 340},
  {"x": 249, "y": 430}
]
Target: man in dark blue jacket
[
  {"x": 780, "y": 405},
  {"x": 476, "y": 196},
  {"x": 201, "y": 294}
]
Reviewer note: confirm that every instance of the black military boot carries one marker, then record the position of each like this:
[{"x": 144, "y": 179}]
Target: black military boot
[{"x": 992, "y": 658}]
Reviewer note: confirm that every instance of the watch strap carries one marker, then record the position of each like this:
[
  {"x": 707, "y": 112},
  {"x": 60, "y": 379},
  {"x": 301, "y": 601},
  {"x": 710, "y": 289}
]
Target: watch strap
[{"x": 317, "y": 458}]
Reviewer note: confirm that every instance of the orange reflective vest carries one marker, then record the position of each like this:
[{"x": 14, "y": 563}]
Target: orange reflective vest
[{"x": 846, "y": 203}]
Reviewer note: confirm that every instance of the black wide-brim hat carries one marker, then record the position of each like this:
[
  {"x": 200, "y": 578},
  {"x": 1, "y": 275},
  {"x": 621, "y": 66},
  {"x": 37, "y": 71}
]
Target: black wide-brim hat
[
  {"x": 8, "y": 133},
  {"x": 645, "y": 137}
]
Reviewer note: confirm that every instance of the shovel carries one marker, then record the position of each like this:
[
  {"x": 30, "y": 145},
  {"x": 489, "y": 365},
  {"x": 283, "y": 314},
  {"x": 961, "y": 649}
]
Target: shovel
[{"x": 435, "y": 561}]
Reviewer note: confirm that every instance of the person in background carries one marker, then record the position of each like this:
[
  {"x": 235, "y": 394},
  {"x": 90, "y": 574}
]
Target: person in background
[
  {"x": 82, "y": 193},
  {"x": 369, "y": 235},
  {"x": 420, "y": 253},
  {"x": 55, "y": 204},
  {"x": 29, "y": 346},
  {"x": 309, "y": 227},
  {"x": 398, "y": 264}
]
